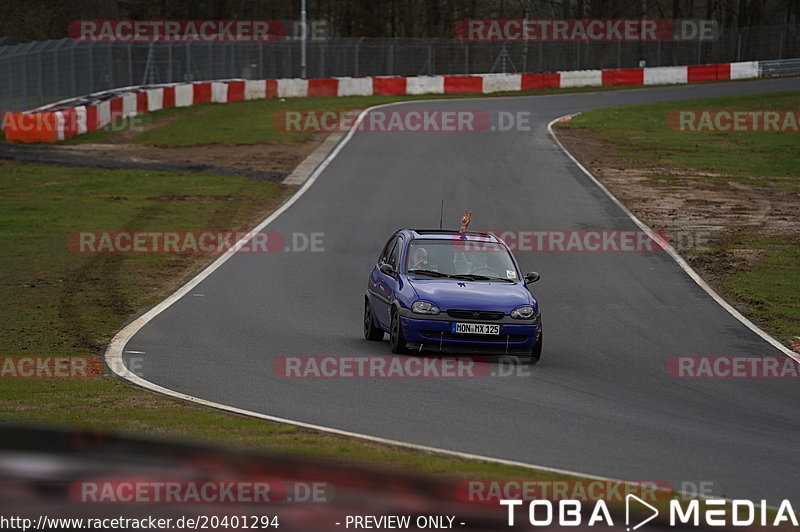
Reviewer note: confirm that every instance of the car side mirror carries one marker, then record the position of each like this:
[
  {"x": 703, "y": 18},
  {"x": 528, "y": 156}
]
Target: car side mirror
[
  {"x": 388, "y": 269},
  {"x": 531, "y": 277}
]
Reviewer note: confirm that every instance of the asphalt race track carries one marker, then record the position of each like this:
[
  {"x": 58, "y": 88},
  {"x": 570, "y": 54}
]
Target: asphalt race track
[{"x": 599, "y": 403}]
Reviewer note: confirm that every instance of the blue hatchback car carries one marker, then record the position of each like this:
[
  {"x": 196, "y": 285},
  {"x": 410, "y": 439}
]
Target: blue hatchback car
[{"x": 448, "y": 291}]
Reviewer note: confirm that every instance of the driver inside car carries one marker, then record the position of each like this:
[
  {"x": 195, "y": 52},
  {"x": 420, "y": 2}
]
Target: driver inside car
[
  {"x": 419, "y": 259},
  {"x": 480, "y": 265}
]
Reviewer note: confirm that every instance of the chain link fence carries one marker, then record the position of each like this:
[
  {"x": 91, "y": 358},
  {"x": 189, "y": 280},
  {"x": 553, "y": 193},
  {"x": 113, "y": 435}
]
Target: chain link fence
[{"x": 36, "y": 73}]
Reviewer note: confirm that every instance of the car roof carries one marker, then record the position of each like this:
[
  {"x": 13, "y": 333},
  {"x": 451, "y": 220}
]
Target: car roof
[{"x": 449, "y": 234}]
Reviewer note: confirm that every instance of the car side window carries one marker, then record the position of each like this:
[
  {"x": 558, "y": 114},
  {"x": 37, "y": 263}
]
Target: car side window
[
  {"x": 386, "y": 249},
  {"x": 395, "y": 255}
]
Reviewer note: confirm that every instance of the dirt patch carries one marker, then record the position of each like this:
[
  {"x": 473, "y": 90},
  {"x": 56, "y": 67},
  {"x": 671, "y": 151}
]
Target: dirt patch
[
  {"x": 264, "y": 156},
  {"x": 698, "y": 211}
]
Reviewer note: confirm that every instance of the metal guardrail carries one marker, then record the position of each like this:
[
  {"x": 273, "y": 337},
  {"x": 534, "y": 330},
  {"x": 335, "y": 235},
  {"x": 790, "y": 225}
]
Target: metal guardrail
[{"x": 779, "y": 68}]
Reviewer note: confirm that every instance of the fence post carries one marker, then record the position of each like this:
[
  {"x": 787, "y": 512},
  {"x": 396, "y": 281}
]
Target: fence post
[
  {"x": 658, "y": 53},
  {"x": 321, "y": 60},
  {"x": 430, "y": 58},
  {"x": 260, "y": 60},
  {"x": 169, "y": 63},
  {"x": 187, "y": 74},
  {"x": 56, "y": 73},
  {"x": 525, "y": 56},
  {"x": 130, "y": 63},
  {"x": 541, "y": 58},
  {"x": 25, "y": 77},
  {"x": 356, "y": 65},
  {"x": 110, "y": 66},
  {"x": 41, "y": 78},
  {"x": 10, "y": 104},
  {"x": 92, "y": 82},
  {"x": 73, "y": 81},
  {"x": 291, "y": 64}
]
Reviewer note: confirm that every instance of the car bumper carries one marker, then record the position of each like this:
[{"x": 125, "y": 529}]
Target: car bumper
[{"x": 436, "y": 335}]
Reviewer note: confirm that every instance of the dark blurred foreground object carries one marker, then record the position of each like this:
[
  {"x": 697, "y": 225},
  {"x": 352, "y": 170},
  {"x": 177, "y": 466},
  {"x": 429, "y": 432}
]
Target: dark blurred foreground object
[
  {"x": 49, "y": 473},
  {"x": 43, "y": 473}
]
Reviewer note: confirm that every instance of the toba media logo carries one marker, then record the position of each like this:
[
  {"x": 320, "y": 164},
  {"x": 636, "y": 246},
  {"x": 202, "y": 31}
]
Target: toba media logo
[{"x": 709, "y": 512}]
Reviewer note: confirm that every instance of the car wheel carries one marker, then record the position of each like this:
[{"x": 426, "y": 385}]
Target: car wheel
[
  {"x": 536, "y": 354},
  {"x": 371, "y": 331},
  {"x": 396, "y": 340}
]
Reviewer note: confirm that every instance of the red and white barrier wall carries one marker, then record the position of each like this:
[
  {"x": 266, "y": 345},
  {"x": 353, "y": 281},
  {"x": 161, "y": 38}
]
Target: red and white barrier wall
[{"x": 66, "y": 119}]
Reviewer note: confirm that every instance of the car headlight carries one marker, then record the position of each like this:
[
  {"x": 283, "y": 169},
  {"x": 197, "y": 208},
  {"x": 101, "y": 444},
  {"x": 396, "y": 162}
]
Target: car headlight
[
  {"x": 524, "y": 312},
  {"x": 424, "y": 307}
]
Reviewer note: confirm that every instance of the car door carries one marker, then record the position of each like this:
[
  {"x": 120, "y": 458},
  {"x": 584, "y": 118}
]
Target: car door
[{"x": 386, "y": 285}]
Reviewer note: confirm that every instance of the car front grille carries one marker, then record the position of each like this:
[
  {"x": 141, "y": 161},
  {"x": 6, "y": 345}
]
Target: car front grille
[
  {"x": 499, "y": 338},
  {"x": 475, "y": 315}
]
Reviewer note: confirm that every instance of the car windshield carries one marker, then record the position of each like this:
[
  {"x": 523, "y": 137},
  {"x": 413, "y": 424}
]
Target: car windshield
[{"x": 469, "y": 259}]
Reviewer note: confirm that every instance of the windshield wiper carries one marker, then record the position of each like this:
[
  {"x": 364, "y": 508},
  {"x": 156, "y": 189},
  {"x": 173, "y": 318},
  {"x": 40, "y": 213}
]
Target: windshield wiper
[
  {"x": 476, "y": 277},
  {"x": 432, "y": 273}
]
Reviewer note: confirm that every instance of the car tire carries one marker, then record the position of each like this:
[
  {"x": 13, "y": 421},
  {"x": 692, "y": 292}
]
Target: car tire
[
  {"x": 536, "y": 353},
  {"x": 372, "y": 332},
  {"x": 396, "y": 340}
]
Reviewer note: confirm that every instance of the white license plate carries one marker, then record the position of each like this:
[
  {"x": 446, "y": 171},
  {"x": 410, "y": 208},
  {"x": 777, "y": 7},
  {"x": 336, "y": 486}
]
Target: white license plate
[{"x": 475, "y": 328}]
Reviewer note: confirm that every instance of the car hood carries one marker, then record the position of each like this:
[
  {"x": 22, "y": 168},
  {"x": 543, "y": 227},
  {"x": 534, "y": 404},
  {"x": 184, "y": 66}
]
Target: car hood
[{"x": 472, "y": 295}]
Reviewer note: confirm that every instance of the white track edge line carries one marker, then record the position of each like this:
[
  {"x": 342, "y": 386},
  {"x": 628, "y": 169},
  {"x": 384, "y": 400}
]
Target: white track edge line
[
  {"x": 113, "y": 354},
  {"x": 671, "y": 251}
]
